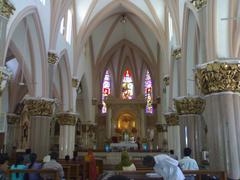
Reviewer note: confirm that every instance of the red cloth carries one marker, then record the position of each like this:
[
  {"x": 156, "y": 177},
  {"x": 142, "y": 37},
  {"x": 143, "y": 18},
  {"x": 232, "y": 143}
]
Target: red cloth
[{"x": 92, "y": 166}]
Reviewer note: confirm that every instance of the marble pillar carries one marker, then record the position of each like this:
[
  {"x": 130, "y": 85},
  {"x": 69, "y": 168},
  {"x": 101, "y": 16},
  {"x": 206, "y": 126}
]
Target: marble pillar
[
  {"x": 109, "y": 123},
  {"x": 173, "y": 132},
  {"x": 67, "y": 121},
  {"x": 189, "y": 109},
  {"x": 52, "y": 60},
  {"x": 13, "y": 128},
  {"x": 38, "y": 114},
  {"x": 219, "y": 82},
  {"x": 6, "y": 9},
  {"x": 162, "y": 136}
]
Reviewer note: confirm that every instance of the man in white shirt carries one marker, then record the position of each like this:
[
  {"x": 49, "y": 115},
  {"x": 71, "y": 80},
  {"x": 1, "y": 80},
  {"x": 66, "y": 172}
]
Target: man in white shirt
[
  {"x": 187, "y": 163},
  {"x": 165, "y": 166}
]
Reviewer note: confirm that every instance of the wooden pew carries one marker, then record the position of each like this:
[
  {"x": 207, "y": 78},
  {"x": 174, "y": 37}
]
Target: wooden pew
[
  {"x": 141, "y": 174},
  {"x": 73, "y": 169},
  {"x": 51, "y": 172}
]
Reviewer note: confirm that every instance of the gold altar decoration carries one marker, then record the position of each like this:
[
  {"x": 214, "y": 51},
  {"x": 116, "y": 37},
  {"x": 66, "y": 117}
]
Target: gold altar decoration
[
  {"x": 171, "y": 119},
  {"x": 52, "y": 57},
  {"x": 39, "y": 106},
  {"x": 166, "y": 80},
  {"x": 6, "y": 8},
  {"x": 67, "y": 118},
  {"x": 74, "y": 82},
  {"x": 189, "y": 105},
  {"x": 198, "y": 4},
  {"x": 177, "y": 53},
  {"x": 218, "y": 77},
  {"x": 13, "y": 118},
  {"x": 161, "y": 127}
]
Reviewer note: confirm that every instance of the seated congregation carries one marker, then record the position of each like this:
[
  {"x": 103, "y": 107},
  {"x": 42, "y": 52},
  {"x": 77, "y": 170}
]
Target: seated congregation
[{"x": 162, "y": 166}]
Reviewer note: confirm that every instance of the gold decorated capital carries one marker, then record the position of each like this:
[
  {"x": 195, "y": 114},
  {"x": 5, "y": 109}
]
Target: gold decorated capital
[
  {"x": 166, "y": 80},
  {"x": 161, "y": 127},
  {"x": 198, "y": 4},
  {"x": 177, "y": 53},
  {"x": 75, "y": 82},
  {"x": 218, "y": 77},
  {"x": 67, "y": 118},
  {"x": 39, "y": 106},
  {"x": 171, "y": 118},
  {"x": 6, "y": 8},
  {"x": 13, "y": 118},
  {"x": 52, "y": 57},
  {"x": 189, "y": 105}
]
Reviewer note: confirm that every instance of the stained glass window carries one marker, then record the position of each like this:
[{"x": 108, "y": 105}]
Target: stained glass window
[
  {"x": 106, "y": 90},
  {"x": 127, "y": 85},
  {"x": 148, "y": 92}
]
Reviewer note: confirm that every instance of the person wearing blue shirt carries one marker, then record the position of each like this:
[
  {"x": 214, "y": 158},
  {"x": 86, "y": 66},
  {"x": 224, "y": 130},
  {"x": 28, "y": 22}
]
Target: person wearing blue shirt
[{"x": 18, "y": 165}]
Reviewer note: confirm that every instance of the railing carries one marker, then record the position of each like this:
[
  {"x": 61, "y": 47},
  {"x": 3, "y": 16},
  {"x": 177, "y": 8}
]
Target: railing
[{"x": 48, "y": 172}]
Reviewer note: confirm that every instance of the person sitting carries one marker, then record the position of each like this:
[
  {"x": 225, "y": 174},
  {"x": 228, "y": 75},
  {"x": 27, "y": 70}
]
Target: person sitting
[
  {"x": 172, "y": 155},
  {"x": 34, "y": 165},
  {"x": 90, "y": 159},
  {"x": 27, "y": 156},
  {"x": 3, "y": 166},
  {"x": 18, "y": 165},
  {"x": 165, "y": 166},
  {"x": 126, "y": 164},
  {"x": 53, "y": 164},
  {"x": 187, "y": 163}
]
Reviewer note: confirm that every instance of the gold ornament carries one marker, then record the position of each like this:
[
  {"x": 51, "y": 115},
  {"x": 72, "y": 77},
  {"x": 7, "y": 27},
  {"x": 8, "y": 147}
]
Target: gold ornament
[
  {"x": 74, "y": 82},
  {"x": 218, "y": 77},
  {"x": 171, "y": 119},
  {"x": 161, "y": 127},
  {"x": 177, "y": 53},
  {"x": 12, "y": 118},
  {"x": 198, "y": 4},
  {"x": 39, "y": 106},
  {"x": 67, "y": 118},
  {"x": 6, "y": 8},
  {"x": 166, "y": 80},
  {"x": 52, "y": 58},
  {"x": 189, "y": 105}
]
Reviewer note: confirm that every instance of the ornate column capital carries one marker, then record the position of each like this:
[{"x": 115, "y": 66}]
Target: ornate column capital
[
  {"x": 6, "y": 8},
  {"x": 218, "y": 76},
  {"x": 177, "y": 53},
  {"x": 189, "y": 105},
  {"x": 67, "y": 118},
  {"x": 13, "y": 118},
  {"x": 166, "y": 80},
  {"x": 5, "y": 76},
  {"x": 75, "y": 82},
  {"x": 52, "y": 57},
  {"x": 171, "y": 118},
  {"x": 198, "y": 4},
  {"x": 161, "y": 127},
  {"x": 39, "y": 106}
]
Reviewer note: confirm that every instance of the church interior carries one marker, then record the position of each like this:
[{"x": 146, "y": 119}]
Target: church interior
[{"x": 146, "y": 76}]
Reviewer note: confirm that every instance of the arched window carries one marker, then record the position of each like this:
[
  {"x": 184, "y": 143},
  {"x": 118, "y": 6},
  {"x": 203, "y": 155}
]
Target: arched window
[
  {"x": 106, "y": 90},
  {"x": 127, "y": 85},
  {"x": 148, "y": 92}
]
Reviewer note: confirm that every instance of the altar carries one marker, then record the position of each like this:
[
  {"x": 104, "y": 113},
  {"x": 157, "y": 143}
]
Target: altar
[{"x": 123, "y": 145}]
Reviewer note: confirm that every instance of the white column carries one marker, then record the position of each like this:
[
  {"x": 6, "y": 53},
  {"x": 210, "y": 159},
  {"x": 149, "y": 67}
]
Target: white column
[
  {"x": 142, "y": 122},
  {"x": 67, "y": 121},
  {"x": 52, "y": 60},
  {"x": 109, "y": 122}
]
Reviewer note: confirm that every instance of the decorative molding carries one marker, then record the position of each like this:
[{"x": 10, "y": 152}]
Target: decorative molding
[
  {"x": 52, "y": 57},
  {"x": 67, "y": 118},
  {"x": 13, "y": 118},
  {"x": 177, "y": 53},
  {"x": 75, "y": 82},
  {"x": 218, "y": 76},
  {"x": 5, "y": 76},
  {"x": 39, "y": 106},
  {"x": 161, "y": 127},
  {"x": 6, "y": 8},
  {"x": 189, "y": 105},
  {"x": 198, "y": 4},
  {"x": 166, "y": 80},
  {"x": 171, "y": 118}
]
